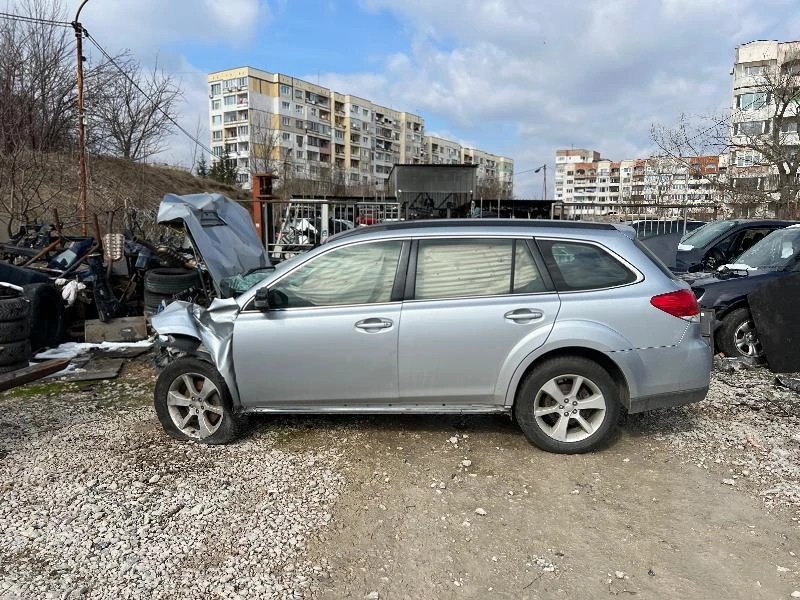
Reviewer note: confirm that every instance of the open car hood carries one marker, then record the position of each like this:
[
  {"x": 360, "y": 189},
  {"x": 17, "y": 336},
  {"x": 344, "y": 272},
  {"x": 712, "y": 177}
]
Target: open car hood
[{"x": 222, "y": 232}]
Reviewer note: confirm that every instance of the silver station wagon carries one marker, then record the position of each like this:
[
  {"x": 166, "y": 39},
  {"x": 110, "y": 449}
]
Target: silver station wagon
[{"x": 557, "y": 324}]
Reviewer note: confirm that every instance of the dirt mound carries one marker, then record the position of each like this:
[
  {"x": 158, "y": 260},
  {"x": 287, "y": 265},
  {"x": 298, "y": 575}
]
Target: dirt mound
[{"x": 114, "y": 185}]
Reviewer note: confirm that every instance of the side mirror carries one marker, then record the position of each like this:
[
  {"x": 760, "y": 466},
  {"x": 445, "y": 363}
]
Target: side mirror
[
  {"x": 261, "y": 300},
  {"x": 266, "y": 299}
]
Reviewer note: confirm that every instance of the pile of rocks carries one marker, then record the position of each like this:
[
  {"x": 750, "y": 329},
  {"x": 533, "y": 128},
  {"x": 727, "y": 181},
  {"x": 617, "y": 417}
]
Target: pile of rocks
[
  {"x": 96, "y": 501},
  {"x": 748, "y": 429}
]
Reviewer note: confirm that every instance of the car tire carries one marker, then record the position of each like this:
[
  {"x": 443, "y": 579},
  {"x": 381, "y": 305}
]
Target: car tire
[
  {"x": 14, "y": 331},
  {"x": 13, "y": 308},
  {"x": 46, "y": 315},
  {"x": 15, "y": 367},
  {"x": 202, "y": 413},
  {"x": 737, "y": 336},
  {"x": 152, "y": 300},
  {"x": 170, "y": 280},
  {"x": 14, "y": 352},
  {"x": 543, "y": 396}
]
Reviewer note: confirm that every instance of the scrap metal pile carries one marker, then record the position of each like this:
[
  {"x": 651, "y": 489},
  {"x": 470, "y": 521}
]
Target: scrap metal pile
[{"x": 52, "y": 283}]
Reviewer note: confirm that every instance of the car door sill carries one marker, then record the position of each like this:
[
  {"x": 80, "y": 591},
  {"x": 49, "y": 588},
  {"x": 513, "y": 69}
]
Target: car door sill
[{"x": 383, "y": 408}]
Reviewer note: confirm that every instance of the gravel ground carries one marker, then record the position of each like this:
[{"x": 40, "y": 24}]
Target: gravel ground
[
  {"x": 747, "y": 430},
  {"x": 96, "y": 502}
]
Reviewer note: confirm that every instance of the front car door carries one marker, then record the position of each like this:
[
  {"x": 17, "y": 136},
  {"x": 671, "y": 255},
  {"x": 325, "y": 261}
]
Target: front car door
[
  {"x": 330, "y": 338},
  {"x": 474, "y": 308}
]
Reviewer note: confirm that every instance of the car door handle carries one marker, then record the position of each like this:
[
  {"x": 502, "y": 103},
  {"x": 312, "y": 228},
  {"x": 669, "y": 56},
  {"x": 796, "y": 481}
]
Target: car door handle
[
  {"x": 374, "y": 325},
  {"x": 522, "y": 315}
]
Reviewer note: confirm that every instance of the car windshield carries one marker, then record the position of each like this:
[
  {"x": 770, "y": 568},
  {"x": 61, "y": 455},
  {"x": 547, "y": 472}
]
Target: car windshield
[
  {"x": 700, "y": 237},
  {"x": 774, "y": 252},
  {"x": 233, "y": 286}
]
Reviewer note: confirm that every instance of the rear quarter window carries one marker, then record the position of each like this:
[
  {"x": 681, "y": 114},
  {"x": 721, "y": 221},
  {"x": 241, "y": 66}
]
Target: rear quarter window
[
  {"x": 580, "y": 266},
  {"x": 655, "y": 260}
]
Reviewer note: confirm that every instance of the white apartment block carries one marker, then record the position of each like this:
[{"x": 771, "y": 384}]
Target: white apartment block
[
  {"x": 592, "y": 185},
  {"x": 258, "y": 118},
  {"x": 490, "y": 166},
  {"x": 760, "y": 67}
]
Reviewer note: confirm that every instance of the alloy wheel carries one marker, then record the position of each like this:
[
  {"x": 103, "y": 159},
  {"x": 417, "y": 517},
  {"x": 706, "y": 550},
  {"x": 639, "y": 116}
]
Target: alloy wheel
[
  {"x": 195, "y": 405},
  {"x": 569, "y": 408},
  {"x": 746, "y": 340}
]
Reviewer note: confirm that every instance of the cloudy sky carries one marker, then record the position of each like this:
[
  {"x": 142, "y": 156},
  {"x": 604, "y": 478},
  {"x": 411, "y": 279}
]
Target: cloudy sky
[{"x": 514, "y": 77}]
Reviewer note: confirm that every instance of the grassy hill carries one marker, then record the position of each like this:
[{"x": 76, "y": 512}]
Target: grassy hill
[{"x": 115, "y": 186}]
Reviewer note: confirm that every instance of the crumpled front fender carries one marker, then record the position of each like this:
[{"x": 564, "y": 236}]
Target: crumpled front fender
[{"x": 212, "y": 326}]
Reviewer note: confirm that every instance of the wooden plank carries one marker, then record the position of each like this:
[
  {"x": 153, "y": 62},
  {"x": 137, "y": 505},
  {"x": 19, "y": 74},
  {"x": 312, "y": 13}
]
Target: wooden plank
[
  {"x": 28, "y": 374},
  {"x": 129, "y": 352},
  {"x": 105, "y": 369},
  {"x": 125, "y": 329}
]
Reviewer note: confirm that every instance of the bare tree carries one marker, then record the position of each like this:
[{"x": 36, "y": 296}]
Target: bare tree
[
  {"x": 135, "y": 112},
  {"x": 30, "y": 182},
  {"x": 264, "y": 143},
  {"x": 759, "y": 136},
  {"x": 37, "y": 81}
]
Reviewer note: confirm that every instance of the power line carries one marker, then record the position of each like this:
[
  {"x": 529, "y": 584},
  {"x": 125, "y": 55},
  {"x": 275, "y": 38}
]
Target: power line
[
  {"x": 37, "y": 20},
  {"x": 141, "y": 91}
]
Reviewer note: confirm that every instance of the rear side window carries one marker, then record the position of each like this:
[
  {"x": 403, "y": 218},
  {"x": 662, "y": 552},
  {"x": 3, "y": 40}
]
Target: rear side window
[
  {"x": 474, "y": 267},
  {"x": 579, "y": 266}
]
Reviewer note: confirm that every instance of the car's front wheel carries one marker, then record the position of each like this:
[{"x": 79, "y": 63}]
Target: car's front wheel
[
  {"x": 738, "y": 336},
  {"x": 192, "y": 402},
  {"x": 567, "y": 405}
]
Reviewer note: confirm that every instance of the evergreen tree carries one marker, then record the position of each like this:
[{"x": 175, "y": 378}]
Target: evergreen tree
[{"x": 202, "y": 167}]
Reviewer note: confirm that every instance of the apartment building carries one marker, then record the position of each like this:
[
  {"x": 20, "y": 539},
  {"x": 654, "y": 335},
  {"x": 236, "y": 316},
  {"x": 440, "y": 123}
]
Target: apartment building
[
  {"x": 595, "y": 185},
  {"x": 766, "y": 81},
  {"x": 490, "y": 166},
  {"x": 270, "y": 121}
]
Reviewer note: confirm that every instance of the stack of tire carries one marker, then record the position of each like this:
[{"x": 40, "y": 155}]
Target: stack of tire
[
  {"x": 15, "y": 347},
  {"x": 46, "y": 315},
  {"x": 162, "y": 284}
]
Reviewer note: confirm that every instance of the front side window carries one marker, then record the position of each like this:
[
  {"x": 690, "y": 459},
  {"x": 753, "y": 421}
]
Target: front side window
[
  {"x": 577, "y": 266},
  {"x": 357, "y": 274},
  {"x": 773, "y": 252},
  {"x": 473, "y": 268}
]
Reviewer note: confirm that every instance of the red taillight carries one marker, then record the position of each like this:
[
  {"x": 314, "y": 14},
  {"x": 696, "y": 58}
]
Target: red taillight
[{"x": 681, "y": 303}]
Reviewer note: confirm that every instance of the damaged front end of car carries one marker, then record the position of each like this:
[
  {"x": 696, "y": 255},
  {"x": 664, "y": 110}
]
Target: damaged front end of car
[{"x": 186, "y": 329}]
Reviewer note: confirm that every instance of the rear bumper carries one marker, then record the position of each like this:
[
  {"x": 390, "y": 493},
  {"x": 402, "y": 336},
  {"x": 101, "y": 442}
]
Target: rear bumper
[
  {"x": 668, "y": 376},
  {"x": 670, "y": 400}
]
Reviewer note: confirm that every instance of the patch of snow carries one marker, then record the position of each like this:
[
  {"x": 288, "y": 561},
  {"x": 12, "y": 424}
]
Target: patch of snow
[{"x": 73, "y": 349}]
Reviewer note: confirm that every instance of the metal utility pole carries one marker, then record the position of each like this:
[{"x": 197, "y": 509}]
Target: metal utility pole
[
  {"x": 79, "y": 31},
  {"x": 544, "y": 183}
]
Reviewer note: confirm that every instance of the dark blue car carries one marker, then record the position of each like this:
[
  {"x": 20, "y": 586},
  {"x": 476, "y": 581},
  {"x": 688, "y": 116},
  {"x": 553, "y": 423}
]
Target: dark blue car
[
  {"x": 719, "y": 242},
  {"x": 726, "y": 289}
]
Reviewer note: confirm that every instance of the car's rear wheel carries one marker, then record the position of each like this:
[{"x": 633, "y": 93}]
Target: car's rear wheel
[
  {"x": 738, "y": 336},
  {"x": 192, "y": 402},
  {"x": 567, "y": 405}
]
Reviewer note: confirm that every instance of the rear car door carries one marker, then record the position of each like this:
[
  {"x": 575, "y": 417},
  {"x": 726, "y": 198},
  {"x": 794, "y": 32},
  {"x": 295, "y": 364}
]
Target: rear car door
[
  {"x": 331, "y": 337},
  {"x": 472, "y": 307}
]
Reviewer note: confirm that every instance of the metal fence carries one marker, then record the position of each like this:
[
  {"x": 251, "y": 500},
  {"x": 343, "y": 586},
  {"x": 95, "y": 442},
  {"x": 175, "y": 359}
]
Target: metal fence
[
  {"x": 296, "y": 226},
  {"x": 648, "y": 219}
]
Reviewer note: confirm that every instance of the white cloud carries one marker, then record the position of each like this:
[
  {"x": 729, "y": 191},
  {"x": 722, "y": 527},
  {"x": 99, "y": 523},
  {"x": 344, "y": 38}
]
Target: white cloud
[
  {"x": 514, "y": 77},
  {"x": 153, "y": 30},
  {"x": 553, "y": 74}
]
